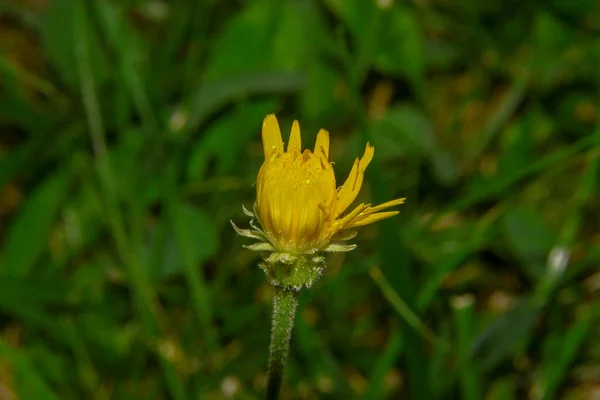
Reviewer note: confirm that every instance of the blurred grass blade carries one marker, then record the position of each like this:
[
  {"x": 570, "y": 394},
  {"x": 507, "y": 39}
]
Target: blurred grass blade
[
  {"x": 58, "y": 43},
  {"x": 145, "y": 296},
  {"x": 320, "y": 359},
  {"x": 432, "y": 286},
  {"x": 130, "y": 135},
  {"x": 501, "y": 337},
  {"x": 503, "y": 113},
  {"x": 559, "y": 257},
  {"x": 394, "y": 259},
  {"x": 470, "y": 377},
  {"x": 386, "y": 361},
  {"x": 196, "y": 237},
  {"x": 405, "y": 312},
  {"x": 115, "y": 27},
  {"x": 556, "y": 369},
  {"x": 85, "y": 367},
  {"x": 502, "y": 183},
  {"x": 445, "y": 378},
  {"x": 27, "y": 381},
  {"x": 28, "y": 235},
  {"x": 30, "y": 79}
]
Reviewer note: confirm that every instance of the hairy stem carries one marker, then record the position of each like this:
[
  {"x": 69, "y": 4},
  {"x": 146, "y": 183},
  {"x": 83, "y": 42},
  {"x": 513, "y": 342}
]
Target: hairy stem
[{"x": 284, "y": 310}]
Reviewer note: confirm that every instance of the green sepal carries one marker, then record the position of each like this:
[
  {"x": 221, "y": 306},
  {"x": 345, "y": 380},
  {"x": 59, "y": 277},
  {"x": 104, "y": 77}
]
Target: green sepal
[
  {"x": 293, "y": 272},
  {"x": 339, "y": 248},
  {"x": 260, "y": 246}
]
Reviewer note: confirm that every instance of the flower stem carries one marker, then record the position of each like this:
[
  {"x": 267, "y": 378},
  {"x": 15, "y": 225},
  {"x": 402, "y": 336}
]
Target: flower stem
[{"x": 284, "y": 310}]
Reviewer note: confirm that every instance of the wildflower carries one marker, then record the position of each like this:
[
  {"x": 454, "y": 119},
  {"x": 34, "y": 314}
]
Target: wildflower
[{"x": 299, "y": 208}]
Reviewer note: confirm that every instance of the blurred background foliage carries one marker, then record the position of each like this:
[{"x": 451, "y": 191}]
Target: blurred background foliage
[{"x": 130, "y": 136}]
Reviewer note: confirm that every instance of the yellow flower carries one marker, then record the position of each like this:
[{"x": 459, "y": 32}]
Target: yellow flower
[{"x": 298, "y": 206}]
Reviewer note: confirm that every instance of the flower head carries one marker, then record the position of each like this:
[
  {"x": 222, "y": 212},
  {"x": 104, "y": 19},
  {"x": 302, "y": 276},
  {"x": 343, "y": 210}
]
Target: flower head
[{"x": 298, "y": 206}]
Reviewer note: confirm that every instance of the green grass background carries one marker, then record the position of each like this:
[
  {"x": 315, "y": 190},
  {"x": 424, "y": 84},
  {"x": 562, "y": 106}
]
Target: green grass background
[{"x": 130, "y": 136}]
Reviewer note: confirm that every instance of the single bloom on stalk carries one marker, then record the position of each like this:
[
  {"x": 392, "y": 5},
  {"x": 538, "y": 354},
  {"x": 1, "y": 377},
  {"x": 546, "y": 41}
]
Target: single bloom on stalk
[{"x": 300, "y": 209}]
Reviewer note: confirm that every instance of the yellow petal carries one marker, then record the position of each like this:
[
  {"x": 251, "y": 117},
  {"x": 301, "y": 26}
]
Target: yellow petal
[
  {"x": 322, "y": 142},
  {"x": 367, "y": 156},
  {"x": 348, "y": 219},
  {"x": 351, "y": 187},
  {"x": 371, "y": 214},
  {"x": 271, "y": 136},
  {"x": 370, "y": 218},
  {"x": 385, "y": 205},
  {"x": 295, "y": 144}
]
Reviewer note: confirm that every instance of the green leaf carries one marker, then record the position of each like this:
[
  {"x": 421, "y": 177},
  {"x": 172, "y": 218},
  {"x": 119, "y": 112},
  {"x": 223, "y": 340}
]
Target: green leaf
[
  {"x": 321, "y": 97},
  {"x": 297, "y": 36},
  {"x": 227, "y": 137},
  {"x": 58, "y": 43},
  {"x": 355, "y": 14},
  {"x": 28, "y": 235},
  {"x": 529, "y": 236},
  {"x": 445, "y": 165},
  {"x": 517, "y": 146},
  {"x": 403, "y": 130},
  {"x": 196, "y": 233},
  {"x": 243, "y": 44},
  {"x": 401, "y": 47},
  {"x": 210, "y": 97}
]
